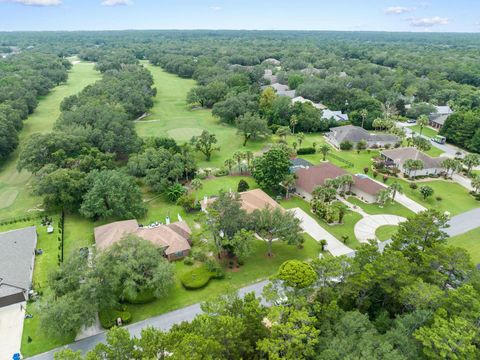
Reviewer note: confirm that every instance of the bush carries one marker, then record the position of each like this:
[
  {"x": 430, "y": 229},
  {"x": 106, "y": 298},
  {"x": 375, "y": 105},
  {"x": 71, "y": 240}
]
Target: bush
[
  {"x": 188, "y": 261},
  {"x": 365, "y": 170},
  {"x": 198, "y": 254},
  {"x": 385, "y": 178},
  {"x": 346, "y": 145},
  {"x": 215, "y": 268},
  {"x": 413, "y": 186},
  {"x": 143, "y": 297},
  {"x": 306, "y": 151},
  {"x": 242, "y": 186},
  {"x": 196, "y": 278},
  {"x": 108, "y": 318},
  {"x": 439, "y": 198},
  {"x": 220, "y": 172}
]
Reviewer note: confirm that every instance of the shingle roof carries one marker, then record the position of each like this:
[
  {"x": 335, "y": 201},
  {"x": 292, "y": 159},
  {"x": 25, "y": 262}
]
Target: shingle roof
[
  {"x": 400, "y": 155},
  {"x": 257, "y": 199},
  {"x": 337, "y": 115},
  {"x": 356, "y": 134},
  {"x": 299, "y": 163},
  {"x": 173, "y": 237},
  {"x": 439, "y": 118},
  {"x": 309, "y": 178},
  {"x": 17, "y": 252}
]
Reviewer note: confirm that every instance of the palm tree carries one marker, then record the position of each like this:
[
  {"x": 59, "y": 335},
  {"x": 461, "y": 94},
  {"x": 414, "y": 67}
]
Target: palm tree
[
  {"x": 314, "y": 145},
  {"x": 383, "y": 196},
  {"x": 394, "y": 189},
  {"x": 422, "y": 122},
  {"x": 293, "y": 122},
  {"x": 412, "y": 165},
  {"x": 294, "y": 145},
  {"x": 453, "y": 165},
  {"x": 364, "y": 114},
  {"x": 229, "y": 163},
  {"x": 249, "y": 158},
  {"x": 342, "y": 210},
  {"x": 476, "y": 184},
  {"x": 238, "y": 156},
  {"x": 346, "y": 182},
  {"x": 283, "y": 132},
  {"x": 324, "y": 149},
  {"x": 196, "y": 185},
  {"x": 300, "y": 138},
  {"x": 470, "y": 161},
  {"x": 323, "y": 243},
  {"x": 288, "y": 183}
]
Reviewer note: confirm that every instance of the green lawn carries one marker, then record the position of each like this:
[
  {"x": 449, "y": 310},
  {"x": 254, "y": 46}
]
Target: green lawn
[
  {"x": 257, "y": 267},
  {"x": 469, "y": 241},
  {"x": 385, "y": 232},
  {"x": 15, "y": 194},
  {"x": 427, "y": 131},
  {"x": 455, "y": 198},
  {"x": 212, "y": 187},
  {"x": 345, "y": 229},
  {"x": 171, "y": 117},
  {"x": 374, "y": 209}
]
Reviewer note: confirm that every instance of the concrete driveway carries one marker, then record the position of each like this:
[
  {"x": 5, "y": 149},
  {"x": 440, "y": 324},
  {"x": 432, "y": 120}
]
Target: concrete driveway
[
  {"x": 11, "y": 328},
  {"x": 311, "y": 227},
  {"x": 365, "y": 229}
]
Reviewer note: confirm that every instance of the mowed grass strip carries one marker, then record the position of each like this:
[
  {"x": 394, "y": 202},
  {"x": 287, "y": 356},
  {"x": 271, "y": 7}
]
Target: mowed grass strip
[
  {"x": 470, "y": 241},
  {"x": 15, "y": 187},
  {"x": 171, "y": 117}
]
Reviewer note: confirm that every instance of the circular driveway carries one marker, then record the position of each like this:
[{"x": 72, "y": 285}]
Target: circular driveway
[{"x": 365, "y": 229}]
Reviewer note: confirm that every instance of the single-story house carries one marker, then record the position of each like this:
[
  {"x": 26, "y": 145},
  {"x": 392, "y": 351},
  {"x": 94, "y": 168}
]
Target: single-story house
[
  {"x": 438, "y": 118},
  {"x": 272, "y": 61},
  {"x": 299, "y": 163},
  {"x": 398, "y": 157},
  {"x": 336, "y": 115},
  {"x": 252, "y": 200},
  {"x": 355, "y": 134},
  {"x": 17, "y": 258},
  {"x": 302, "y": 100},
  {"x": 174, "y": 238},
  {"x": 309, "y": 178}
]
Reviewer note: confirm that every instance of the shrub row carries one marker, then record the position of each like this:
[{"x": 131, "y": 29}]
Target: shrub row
[
  {"x": 108, "y": 318},
  {"x": 306, "y": 151}
]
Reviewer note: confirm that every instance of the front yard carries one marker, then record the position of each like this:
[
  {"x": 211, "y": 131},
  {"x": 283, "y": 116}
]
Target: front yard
[
  {"x": 393, "y": 208},
  {"x": 470, "y": 241}
]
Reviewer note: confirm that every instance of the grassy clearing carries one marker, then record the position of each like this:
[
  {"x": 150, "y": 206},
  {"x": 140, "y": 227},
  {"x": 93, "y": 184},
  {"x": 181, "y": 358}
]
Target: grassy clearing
[
  {"x": 427, "y": 131},
  {"x": 338, "y": 231},
  {"x": 212, "y": 187},
  {"x": 171, "y": 117},
  {"x": 386, "y": 232},
  {"x": 470, "y": 241},
  {"x": 455, "y": 198},
  {"x": 257, "y": 267},
  {"x": 374, "y": 209},
  {"x": 15, "y": 188}
]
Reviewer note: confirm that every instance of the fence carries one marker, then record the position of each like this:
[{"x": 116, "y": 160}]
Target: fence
[{"x": 346, "y": 162}]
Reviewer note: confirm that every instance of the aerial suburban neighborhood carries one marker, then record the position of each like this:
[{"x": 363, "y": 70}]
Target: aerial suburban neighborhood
[{"x": 239, "y": 194}]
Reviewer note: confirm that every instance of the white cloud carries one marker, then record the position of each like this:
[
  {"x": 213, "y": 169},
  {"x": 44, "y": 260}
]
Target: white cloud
[
  {"x": 115, "y": 2},
  {"x": 428, "y": 22},
  {"x": 39, "y": 2},
  {"x": 215, "y": 8},
  {"x": 397, "y": 10}
]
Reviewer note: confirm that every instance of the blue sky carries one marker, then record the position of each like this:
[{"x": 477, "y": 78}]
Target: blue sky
[{"x": 386, "y": 15}]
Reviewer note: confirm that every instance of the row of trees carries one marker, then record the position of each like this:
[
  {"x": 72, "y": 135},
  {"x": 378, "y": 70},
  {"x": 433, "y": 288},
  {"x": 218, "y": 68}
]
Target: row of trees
[
  {"x": 23, "y": 78},
  {"x": 417, "y": 299},
  {"x": 463, "y": 129},
  {"x": 76, "y": 164}
]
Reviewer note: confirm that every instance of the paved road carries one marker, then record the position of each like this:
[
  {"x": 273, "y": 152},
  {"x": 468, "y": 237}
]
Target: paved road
[
  {"x": 446, "y": 148},
  {"x": 463, "y": 223},
  {"x": 164, "y": 322}
]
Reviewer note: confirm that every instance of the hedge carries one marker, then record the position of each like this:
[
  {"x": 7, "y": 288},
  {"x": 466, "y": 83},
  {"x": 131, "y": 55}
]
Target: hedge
[
  {"x": 108, "y": 318},
  {"x": 306, "y": 151},
  {"x": 196, "y": 278},
  {"x": 142, "y": 297}
]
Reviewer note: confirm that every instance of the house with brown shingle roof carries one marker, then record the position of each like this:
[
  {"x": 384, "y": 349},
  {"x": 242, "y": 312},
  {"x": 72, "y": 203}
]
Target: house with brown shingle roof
[
  {"x": 251, "y": 200},
  {"x": 309, "y": 178},
  {"x": 173, "y": 238}
]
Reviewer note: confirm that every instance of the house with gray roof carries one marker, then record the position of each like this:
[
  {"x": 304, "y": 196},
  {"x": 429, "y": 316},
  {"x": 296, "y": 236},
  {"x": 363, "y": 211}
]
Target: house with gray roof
[
  {"x": 438, "y": 118},
  {"x": 17, "y": 257},
  {"x": 336, "y": 115},
  {"x": 355, "y": 134},
  {"x": 398, "y": 157},
  {"x": 299, "y": 163}
]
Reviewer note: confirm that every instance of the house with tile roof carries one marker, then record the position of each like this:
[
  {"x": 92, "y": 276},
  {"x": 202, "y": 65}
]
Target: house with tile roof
[
  {"x": 311, "y": 177},
  {"x": 17, "y": 259},
  {"x": 173, "y": 238}
]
